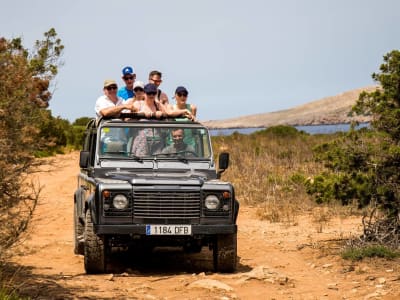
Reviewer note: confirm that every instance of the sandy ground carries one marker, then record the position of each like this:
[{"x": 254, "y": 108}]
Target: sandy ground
[{"x": 276, "y": 261}]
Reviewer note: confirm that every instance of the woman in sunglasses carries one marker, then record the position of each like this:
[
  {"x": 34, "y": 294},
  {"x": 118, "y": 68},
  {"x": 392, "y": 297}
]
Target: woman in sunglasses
[
  {"x": 150, "y": 106},
  {"x": 189, "y": 110},
  {"x": 110, "y": 104}
]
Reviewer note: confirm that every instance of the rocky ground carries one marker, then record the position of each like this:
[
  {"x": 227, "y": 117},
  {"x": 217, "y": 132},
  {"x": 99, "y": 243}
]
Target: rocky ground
[{"x": 276, "y": 261}]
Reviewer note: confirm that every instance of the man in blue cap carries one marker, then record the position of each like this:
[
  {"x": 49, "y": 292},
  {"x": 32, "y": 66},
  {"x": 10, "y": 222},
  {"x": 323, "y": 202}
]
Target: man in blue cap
[{"x": 128, "y": 76}]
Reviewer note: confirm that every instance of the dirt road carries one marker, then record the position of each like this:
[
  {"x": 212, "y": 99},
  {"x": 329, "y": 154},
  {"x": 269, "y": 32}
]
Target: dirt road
[{"x": 276, "y": 261}]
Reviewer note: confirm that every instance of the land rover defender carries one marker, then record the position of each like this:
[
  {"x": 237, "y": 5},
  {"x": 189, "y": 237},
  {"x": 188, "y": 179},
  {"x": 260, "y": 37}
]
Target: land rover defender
[{"x": 132, "y": 192}]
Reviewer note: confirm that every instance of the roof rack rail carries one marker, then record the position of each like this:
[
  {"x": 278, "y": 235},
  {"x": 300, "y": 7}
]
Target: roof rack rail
[{"x": 135, "y": 116}]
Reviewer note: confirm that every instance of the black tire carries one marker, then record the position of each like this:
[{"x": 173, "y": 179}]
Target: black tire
[
  {"x": 94, "y": 249},
  {"x": 78, "y": 233},
  {"x": 225, "y": 253}
]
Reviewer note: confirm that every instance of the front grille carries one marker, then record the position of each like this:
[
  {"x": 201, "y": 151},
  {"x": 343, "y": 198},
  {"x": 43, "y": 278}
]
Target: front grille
[{"x": 166, "y": 204}]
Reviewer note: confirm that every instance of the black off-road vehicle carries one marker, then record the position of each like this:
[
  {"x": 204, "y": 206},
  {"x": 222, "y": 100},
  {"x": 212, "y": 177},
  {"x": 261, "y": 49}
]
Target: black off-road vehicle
[{"x": 132, "y": 192}]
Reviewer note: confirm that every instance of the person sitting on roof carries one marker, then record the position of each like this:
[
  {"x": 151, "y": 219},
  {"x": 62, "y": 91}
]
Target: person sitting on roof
[
  {"x": 110, "y": 104},
  {"x": 181, "y": 95}
]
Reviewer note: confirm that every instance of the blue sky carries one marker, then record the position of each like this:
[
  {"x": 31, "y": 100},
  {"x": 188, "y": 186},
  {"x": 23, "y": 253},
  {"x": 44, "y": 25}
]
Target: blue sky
[{"x": 236, "y": 58}]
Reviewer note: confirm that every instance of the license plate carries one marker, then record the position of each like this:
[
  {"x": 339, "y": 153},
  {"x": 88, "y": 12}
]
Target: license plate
[{"x": 168, "y": 229}]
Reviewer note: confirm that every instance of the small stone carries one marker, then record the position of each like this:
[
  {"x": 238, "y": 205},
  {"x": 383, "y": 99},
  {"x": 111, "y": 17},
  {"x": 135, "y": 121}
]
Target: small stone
[
  {"x": 202, "y": 274},
  {"x": 389, "y": 271},
  {"x": 381, "y": 280},
  {"x": 110, "y": 277},
  {"x": 312, "y": 266},
  {"x": 365, "y": 269},
  {"x": 332, "y": 286},
  {"x": 210, "y": 284},
  {"x": 372, "y": 295},
  {"x": 327, "y": 265},
  {"x": 370, "y": 277},
  {"x": 283, "y": 280}
]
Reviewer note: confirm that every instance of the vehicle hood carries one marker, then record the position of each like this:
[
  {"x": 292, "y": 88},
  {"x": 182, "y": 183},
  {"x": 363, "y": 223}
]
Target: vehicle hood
[{"x": 157, "y": 177}]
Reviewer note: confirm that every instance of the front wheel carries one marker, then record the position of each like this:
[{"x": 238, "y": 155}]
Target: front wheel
[
  {"x": 225, "y": 253},
  {"x": 78, "y": 233},
  {"x": 94, "y": 248}
]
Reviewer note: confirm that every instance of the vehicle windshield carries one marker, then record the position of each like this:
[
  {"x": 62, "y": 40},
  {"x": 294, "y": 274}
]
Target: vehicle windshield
[{"x": 173, "y": 142}]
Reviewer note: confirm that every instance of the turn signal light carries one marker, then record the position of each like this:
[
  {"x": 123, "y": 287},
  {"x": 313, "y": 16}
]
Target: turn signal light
[
  {"x": 106, "y": 194},
  {"x": 226, "y": 195}
]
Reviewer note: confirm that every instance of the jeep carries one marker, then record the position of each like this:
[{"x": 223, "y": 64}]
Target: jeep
[{"x": 131, "y": 192}]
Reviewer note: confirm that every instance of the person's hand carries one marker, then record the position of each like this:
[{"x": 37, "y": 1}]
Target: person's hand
[
  {"x": 158, "y": 114},
  {"x": 189, "y": 115}
]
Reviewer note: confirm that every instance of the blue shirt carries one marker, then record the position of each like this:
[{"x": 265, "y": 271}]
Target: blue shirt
[{"x": 125, "y": 94}]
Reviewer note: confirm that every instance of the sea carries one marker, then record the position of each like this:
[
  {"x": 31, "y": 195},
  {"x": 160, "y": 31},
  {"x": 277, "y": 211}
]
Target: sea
[{"x": 310, "y": 129}]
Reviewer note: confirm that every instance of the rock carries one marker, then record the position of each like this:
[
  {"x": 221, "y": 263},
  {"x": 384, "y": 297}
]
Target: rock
[
  {"x": 372, "y": 295},
  {"x": 381, "y": 280},
  {"x": 333, "y": 286},
  {"x": 265, "y": 274},
  {"x": 210, "y": 284},
  {"x": 370, "y": 277},
  {"x": 110, "y": 277},
  {"x": 327, "y": 265},
  {"x": 389, "y": 271}
]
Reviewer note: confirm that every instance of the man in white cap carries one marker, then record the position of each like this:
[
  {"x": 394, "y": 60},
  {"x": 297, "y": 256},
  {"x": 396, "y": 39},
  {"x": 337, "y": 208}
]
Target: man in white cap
[{"x": 110, "y": 104}]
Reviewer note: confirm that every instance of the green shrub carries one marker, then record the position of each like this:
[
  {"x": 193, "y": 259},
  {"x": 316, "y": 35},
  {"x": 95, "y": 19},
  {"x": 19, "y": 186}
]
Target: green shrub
[{"x": 359, "y": 253}]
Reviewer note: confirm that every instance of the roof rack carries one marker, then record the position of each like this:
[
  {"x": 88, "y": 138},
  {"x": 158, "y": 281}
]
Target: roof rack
[{"x": 134, "y": 117}]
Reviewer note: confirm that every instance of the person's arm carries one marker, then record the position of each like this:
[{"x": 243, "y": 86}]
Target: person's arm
[
  {"x": 181, "y": 112},
  {"x": 115, "y": 110},
  {"x": 194, "y": 110}
]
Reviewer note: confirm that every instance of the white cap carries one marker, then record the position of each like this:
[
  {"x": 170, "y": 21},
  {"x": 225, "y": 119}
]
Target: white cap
[{"x": 138, "y": 83}]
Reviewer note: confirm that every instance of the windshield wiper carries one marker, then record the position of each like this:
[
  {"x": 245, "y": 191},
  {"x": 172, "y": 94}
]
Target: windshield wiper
[
  {"x": 175, "y": 154},
  {"x": 124, "y": 155}
]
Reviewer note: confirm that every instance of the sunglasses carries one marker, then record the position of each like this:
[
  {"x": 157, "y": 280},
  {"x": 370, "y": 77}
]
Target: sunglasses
[
  {"x": 128, "y": 78},
  {"x": 182, "y": 94},
  {"x": 112, "y": 87},
  {"x": 138, "y": 90},
  {"x": 151, "y": 94}
]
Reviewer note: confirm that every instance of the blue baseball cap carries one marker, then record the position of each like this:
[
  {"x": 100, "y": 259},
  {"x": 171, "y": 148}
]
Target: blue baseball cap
[
  {"x": 150, "y": 88},
  {"x": 127, "y": 71}
]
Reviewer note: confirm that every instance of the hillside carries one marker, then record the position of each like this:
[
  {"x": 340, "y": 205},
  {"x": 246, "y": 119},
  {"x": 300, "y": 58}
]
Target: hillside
[{"x": 329, "y": 110}]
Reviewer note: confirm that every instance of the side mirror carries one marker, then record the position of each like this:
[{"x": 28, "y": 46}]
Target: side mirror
[
  {"x": 223, "y": 163},
  {"x": 84, "y": 159}
]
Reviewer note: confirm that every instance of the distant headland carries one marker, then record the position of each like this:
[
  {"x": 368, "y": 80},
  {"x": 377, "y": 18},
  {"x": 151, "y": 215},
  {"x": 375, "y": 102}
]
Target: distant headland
[{"x": 329, "y": 110}]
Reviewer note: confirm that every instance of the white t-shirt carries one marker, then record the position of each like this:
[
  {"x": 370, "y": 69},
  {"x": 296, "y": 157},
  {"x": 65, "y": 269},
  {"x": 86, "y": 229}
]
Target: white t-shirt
[{"x": 105, "y": 102}]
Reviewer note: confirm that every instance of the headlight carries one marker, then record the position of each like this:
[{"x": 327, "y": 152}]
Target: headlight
[
  {"x": 212, "y": 202},
  {"x": 120, "y": 201}
]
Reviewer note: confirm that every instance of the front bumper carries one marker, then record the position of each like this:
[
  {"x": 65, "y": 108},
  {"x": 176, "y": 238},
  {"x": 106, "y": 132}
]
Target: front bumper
[{"x": 141, "y": 229}]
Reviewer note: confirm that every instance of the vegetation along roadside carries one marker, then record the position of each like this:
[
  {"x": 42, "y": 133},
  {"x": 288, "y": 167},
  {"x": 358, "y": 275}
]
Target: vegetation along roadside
[{"x": 280, "y": 170}]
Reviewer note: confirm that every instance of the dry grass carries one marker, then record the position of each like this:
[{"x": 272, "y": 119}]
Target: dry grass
[{"x": 268, "y": 171}]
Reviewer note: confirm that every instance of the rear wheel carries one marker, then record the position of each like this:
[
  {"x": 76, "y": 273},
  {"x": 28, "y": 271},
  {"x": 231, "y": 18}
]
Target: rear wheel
[
  {"x": 94, "y": 248},
  {"x": 225, "y": 253}
]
